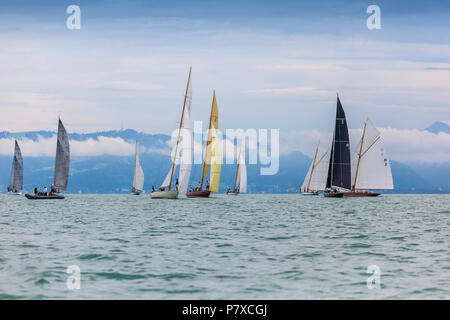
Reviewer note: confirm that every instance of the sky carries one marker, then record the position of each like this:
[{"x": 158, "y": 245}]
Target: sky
[{"x": 273, "y": 64}]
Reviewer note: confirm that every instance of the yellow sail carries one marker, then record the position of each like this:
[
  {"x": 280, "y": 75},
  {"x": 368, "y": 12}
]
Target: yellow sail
[{"x": 213, "y": 154}]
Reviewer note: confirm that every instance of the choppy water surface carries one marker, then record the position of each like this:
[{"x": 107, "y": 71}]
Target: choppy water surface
[{"x": 225, "y": 247}]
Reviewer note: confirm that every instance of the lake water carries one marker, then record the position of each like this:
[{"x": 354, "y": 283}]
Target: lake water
[{"x": 225, "y": 247}]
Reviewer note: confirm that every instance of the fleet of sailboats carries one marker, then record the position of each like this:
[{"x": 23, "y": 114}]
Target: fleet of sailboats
[
  {"x": 16, "y": 179},
  {"x": 213, "y": 157},
  {"x": 336, "y": 175},
  {"x": 356, "y": 176},
  {"x": 138, "y": 177}
]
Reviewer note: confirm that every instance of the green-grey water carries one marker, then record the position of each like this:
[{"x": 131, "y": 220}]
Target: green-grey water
[{"x": 225, "y": 247}]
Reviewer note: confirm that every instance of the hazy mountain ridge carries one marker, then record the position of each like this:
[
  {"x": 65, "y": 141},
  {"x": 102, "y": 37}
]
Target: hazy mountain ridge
[
  {"x": 113, "y": 174},
  {"x": 439, "y": 127}
]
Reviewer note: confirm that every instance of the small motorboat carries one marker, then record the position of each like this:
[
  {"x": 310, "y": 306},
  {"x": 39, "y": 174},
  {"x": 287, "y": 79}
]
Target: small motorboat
[
  {"x": 43, "y": 196},
  {"x": 198, "y": 194}
]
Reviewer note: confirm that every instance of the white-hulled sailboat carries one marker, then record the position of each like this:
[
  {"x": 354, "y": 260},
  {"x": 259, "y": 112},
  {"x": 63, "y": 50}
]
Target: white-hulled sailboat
[
  {"x": 62, "y": 165},
  {"x": 316, "y": 178},
  {"x": 16, "y": 178},
  {"x": 240, "y": 182},
  {"x": 213, "y": 157},
  {"x": 183, "y": 152},
  {"x": 370, "y": 165},
  {"x": 138, "y": 177}
]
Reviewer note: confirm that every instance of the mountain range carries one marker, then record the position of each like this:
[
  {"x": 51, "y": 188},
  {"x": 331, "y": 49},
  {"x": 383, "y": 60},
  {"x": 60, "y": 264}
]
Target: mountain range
[{"x": 114, "y": 174}]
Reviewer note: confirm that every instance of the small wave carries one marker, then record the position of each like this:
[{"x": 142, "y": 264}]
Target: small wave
[
  {"x": 222, "y": 245},
  {"x": 4, "y": 296},
  {"x": 227, "y": 276},
  {"x": 41, "y": 282},
  {"x": 396, "y": 238},
  {"x": 95, "y": 256},
  {"x": 185, "y": 291},
  {"x": 311, "y": 254},
  {"x": 27, "y": 245},
  {"x": 358, "y": 245},
  {"x": 170, "y": 276},
  {"x": 281, "y": 238},
  {"x": 116, "y": 239},
  {"x": 119, "y": 276}
]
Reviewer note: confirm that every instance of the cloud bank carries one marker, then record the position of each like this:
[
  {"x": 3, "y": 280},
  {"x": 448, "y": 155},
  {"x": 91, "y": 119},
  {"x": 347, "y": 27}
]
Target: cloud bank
[
  {"x": 401, "y": 145},
  {"x": 415, "y": 146}
]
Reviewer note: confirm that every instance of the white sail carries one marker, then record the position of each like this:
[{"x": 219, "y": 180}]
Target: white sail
[
  {"x": 242, "y": 169},
  {"x": 138, "y": 178},
  {"x": 62, "y": 160},
  {"x": 187, "y": 146},
  {"x": 166, "y": 181},
  {"x": 316, "y": 178},
  {"x": 370, "y": 164},
  {"x": 184, "y": 132},
  {"x": 16, "y": 178}
]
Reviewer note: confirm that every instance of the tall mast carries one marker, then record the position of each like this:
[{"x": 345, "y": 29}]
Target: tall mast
[
  {"x": 237, "y": 170},
  {"x": 179, "y": 129},
  {"x": 135, "y": 163},
  {"x": 206, "y": 149},
  {"x": 313, "y": 167},
  {"x": 359, "y": 156}
]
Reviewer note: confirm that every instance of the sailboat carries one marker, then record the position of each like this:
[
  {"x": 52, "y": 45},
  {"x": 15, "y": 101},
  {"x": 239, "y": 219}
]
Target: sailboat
[
  {"x": 16, "y": 178},
  {"x": 316, "y": 178},
  {"x": 213, "y": 157},
  {"x": 370, "y": 165},
  {"x": 183, "y": 152},
  {"x": 62, "y": 165},
  {"x": 138, "y": 177},
  {"x": 240, "y": 182},
  {"x": 339, "y": 168}
]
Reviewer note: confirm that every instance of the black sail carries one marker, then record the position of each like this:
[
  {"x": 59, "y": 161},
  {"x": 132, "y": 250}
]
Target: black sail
[{"x": 339, "y": 170}]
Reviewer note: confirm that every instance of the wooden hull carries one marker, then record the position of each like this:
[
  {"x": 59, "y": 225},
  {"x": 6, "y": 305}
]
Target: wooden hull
[
  {"x": 198, "y": 194},
  {"x": 172, "y": 194},
  {"x": 361, "y": 194},
  {"x": 136, "y": 193},
  {"x": 232, "y": 193},
  {"x": 42, "y": 197},
  {"x": 333, "y": 194}
]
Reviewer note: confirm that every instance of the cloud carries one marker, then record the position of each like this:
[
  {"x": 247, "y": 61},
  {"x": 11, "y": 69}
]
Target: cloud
[
  {"x": 307, "y": 65},
  {"x": 86, "y": 148},
  {"x": 401, "y": 145},
  {"x": 295, "y": 90},
  {"x": 438, "y": 69},
  {"x": 130, "y": 85}
]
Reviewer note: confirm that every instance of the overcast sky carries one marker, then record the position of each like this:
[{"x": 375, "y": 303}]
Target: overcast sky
[{"x": 273, "y": 64}]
